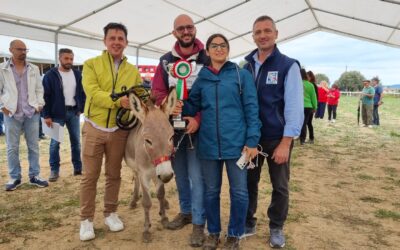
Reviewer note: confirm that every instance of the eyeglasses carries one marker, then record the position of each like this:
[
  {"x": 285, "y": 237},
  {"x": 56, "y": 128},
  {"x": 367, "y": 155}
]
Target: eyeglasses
[
  {"x": 221, "y": 46},
  {"x": 22, "y": 50},
  {"x": 189, "y": 28}
]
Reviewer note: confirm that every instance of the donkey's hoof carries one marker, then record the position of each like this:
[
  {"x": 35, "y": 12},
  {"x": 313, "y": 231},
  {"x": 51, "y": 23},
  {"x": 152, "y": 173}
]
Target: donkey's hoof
[
  {"x": 147, "y": 237},
  {"x": 132, "y": 205},
  {"x": 164, "y": 222},
  {"x": 166, "y": 204}
]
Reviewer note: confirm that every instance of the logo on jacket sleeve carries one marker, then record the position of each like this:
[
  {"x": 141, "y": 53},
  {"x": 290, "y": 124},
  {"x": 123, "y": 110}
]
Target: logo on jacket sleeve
[{"x": 272, "y": 77}]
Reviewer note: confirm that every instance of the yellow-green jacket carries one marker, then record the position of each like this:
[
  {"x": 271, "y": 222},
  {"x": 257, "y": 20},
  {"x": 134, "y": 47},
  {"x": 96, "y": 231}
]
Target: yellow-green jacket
[{"x": 99, "y": 79}]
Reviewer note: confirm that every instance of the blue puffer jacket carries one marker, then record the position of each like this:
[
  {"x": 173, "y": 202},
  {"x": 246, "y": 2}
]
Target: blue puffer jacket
[{"x": 229, "y": 112}]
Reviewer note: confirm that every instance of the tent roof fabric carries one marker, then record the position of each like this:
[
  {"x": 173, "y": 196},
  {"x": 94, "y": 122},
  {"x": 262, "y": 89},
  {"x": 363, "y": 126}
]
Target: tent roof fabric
[{"x": 79, "y": 23}]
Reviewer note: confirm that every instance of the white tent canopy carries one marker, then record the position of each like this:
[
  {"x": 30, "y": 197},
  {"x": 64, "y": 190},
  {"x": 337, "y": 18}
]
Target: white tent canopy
[
  {"x": 79, "y": 22},
  {"x": 43, "y": 52}
]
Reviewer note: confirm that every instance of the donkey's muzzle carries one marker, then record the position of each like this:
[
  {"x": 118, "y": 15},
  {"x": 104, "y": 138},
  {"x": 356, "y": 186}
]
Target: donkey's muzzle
[
  {"x": 164, "y": 171},
  {"x": 165, "y": 178}
]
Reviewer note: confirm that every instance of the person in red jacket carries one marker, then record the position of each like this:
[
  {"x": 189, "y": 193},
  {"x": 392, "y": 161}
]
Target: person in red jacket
[
  {"x": 322, "y": 99},
  {"x": 333, "y": 101}
]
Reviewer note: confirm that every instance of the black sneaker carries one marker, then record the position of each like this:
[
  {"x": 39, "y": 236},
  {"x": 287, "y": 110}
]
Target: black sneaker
[
  {"x": 13, "y": 184},
  {"x": 36, "y": 180}
]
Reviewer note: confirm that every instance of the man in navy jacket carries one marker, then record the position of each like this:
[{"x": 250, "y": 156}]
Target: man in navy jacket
[
  {"x": 64, "y": 102},
  {"x": 280, "y": 98}
]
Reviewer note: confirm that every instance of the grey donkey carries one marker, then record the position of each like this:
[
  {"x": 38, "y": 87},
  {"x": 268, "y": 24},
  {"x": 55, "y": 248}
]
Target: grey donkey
[{"x": 148, "y": 153}]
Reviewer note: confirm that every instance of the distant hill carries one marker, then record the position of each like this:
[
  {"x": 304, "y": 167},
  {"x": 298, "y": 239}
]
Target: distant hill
[{"x": 395, "y": 86}]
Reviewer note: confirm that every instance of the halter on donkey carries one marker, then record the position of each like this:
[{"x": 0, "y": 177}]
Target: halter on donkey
[{"x": 147, "y": 153}]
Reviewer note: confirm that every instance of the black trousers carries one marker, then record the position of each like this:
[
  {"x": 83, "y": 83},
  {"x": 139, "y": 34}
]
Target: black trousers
[
  {"x": 332, "y": 111},
  {"x": 308, "y": 115},
  {"x": 279, "y": 176}
]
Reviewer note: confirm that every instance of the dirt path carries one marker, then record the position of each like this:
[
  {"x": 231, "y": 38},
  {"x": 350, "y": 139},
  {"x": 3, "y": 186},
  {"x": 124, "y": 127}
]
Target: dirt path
[{"x": 345, "y": 194}]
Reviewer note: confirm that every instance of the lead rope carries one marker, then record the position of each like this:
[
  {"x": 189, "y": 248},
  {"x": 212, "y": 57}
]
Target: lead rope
[
  {"x": 179, "y": 143},
  {"x": 251, "y": 164}
]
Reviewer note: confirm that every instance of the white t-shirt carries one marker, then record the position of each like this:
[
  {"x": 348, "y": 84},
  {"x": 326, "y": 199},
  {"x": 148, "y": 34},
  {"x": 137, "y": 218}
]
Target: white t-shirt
[{"x": 69, "y": 87}]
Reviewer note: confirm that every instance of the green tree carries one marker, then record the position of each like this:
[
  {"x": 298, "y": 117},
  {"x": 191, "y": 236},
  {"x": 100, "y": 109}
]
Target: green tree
[
  {"x": 321, "y": 77},
  {"x": 351, "y": 81}
]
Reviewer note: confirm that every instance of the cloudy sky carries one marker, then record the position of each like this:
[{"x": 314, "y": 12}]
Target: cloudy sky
[
  {"x": 320, "y": 52},
  {"x": 331, "y": 54}
]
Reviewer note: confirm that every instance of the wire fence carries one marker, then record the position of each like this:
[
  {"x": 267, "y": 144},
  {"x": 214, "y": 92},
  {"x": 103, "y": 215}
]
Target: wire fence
[{"x": 358, "y": 93}]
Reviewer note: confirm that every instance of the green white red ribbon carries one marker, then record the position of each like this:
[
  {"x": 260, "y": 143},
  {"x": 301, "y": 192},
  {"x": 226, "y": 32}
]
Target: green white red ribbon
[{"x": 181, "y": 70}]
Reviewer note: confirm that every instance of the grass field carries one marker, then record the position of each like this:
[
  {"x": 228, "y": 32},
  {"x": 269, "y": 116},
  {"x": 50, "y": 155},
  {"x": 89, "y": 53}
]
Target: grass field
[{"x": 345, "y": 194}]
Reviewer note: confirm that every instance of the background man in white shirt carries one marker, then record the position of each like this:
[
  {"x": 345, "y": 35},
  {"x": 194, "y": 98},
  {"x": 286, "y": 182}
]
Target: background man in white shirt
[{"x": 64, "y": 102}]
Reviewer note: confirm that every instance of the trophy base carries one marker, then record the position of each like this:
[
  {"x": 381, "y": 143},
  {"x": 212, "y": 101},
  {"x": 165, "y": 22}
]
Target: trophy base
[{"x": 179, "y": 125}]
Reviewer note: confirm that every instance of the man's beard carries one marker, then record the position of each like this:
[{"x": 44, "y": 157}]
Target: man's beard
[
  {"x": 21, "y": 57},
  {"x": 186, "y": 44},
  {"x": 66, "y": 66}
]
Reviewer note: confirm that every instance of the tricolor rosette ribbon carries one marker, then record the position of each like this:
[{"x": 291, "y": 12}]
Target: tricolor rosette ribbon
[{"x": 181, "y": 70}]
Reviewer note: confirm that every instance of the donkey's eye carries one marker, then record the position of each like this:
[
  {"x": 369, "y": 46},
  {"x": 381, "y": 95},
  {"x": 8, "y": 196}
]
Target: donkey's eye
[
  {"x": 148, "y": 142},
  {"x": 172, "y": 138}
]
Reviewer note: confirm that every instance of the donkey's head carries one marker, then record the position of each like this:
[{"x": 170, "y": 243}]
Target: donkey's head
[{"x": 156, "y": 133}]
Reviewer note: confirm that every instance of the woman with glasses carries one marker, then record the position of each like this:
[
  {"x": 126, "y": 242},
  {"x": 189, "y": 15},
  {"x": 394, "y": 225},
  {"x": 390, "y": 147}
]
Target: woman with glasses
[{"x": 226, "y": 97}]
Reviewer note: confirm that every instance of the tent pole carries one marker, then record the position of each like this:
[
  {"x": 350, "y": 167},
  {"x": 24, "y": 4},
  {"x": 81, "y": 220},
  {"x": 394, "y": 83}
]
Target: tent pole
[
  {"x": 137, "y": 56},
  {"x": 56, "y": 48}
]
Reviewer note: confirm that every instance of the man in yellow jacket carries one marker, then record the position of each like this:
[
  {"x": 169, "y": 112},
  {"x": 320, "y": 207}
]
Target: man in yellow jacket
[{"x": 101, "y": 76}]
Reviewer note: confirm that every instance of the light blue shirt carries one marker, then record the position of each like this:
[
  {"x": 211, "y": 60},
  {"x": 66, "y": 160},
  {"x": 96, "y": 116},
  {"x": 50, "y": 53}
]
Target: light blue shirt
[
  {"x": 21, "y": 81},
  {"x": 293, "y": 97},
  {"x": 294, "y": 103},
  {"x": 257, "y": 64}
]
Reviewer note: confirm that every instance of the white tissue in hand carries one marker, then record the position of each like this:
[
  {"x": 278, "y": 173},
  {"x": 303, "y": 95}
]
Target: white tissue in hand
[{"x": 242, "y": 162}]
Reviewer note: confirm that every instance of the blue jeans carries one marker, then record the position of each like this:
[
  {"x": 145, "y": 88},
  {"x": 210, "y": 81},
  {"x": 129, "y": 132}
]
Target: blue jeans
[
  {"x": 189, "y": 181},
  {"x": 14, "y": 129},
  {"x": 1, "y": 122},
  {"x": 212, "y": 172},
  {"x": 73, "y": 125},
  {"x": 320, "y": 110},
  {"x": 375, "y": 115}
]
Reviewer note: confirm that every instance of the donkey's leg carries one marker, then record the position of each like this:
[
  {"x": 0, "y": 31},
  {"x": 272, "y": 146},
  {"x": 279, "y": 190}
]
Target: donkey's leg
[
  {"x": 163, "y": 202},
  {"x": 136, "y": 190},
  {"x": 146, "y": 202},
  {"x": 156, "y": 183}
]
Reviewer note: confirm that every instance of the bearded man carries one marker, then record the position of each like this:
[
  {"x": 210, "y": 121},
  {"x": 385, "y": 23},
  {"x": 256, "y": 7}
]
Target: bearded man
[
  {"x": 64, "y": 101},
  {"x": 186, "y": 165}
]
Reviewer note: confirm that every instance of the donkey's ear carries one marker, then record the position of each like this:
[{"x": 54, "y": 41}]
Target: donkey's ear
[
  {"x": 138, "y": 108},
  {"x": 168, "y": 105}
]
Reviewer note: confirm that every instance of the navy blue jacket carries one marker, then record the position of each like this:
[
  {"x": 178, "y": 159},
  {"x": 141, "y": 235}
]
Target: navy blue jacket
[
  {"x": 229, "y": 112},
  {"x": 270, "y": 90},
  {"x": 54, "y": 95}
]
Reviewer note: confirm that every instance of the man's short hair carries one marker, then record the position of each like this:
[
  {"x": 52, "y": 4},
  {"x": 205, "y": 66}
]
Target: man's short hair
[
  {"x": 375, "y": 79},
  {"x": 368, "y": 81},
  {"x": 264, "y": 18},
  {"x": 65, "y": 50},
  {"x": 116, "y": 26}
]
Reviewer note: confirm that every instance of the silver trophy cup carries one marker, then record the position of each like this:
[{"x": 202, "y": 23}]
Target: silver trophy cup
[{"x": 177, "y": 122}]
